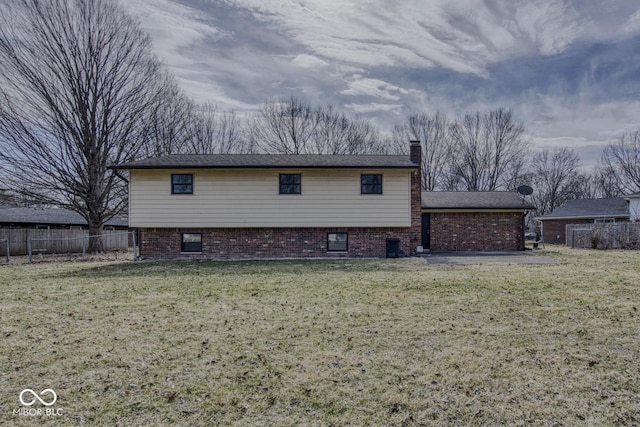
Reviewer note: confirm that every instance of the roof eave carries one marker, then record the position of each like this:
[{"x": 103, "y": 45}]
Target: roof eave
[
  {"x": 528, "y": 207},
  {"x": 542, "y": 218},
  {"x": 185, "y": 167}
]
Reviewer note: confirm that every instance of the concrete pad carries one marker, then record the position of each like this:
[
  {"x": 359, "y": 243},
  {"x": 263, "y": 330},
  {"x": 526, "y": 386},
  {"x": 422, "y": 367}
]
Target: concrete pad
[{"x": 469, "y": 258}]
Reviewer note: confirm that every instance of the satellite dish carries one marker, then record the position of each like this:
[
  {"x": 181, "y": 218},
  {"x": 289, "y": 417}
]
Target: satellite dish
[{"x": 525, "y": 190}]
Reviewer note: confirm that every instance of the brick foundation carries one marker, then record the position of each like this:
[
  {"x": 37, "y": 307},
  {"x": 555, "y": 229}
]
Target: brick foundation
[
  {"x": 477, "y": 231},
  {"x": 255, "y": 243}
]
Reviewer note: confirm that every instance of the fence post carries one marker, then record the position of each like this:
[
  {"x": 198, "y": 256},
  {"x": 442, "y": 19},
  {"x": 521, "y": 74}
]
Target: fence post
[
  {"x": 84, "y": 244},
  {"x": 6, "y": 243},
  {"x": 133, "y": 241},
  {"x": 29, "y": 249}
]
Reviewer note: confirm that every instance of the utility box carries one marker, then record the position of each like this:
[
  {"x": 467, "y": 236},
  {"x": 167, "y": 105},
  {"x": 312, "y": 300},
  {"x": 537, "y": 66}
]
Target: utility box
[{"x": 393, "y": 247}]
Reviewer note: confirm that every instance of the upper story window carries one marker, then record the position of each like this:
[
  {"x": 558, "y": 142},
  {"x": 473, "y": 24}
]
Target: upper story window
[
  {"x": 181, "y": 183},
  {"x": 290, "y": 183},
  {"x": 371, "y": 183}
]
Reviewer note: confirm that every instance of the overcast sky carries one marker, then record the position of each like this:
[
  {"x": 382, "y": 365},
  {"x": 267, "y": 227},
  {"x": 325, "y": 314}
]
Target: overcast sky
[{"x": 569, "y": 70}]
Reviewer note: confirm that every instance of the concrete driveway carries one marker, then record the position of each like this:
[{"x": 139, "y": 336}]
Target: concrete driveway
[{"x": 468, "y": 258}]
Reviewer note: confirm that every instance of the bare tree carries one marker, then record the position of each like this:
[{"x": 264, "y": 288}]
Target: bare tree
[
  {"x": 621, "y": 161},
  {"x": 284, "y": 126},
  {"x": 605, "y": 181},
  {"x": 555, "y": 178},
  {"x": 77, "y": 83},
  {"x": 486, "y": 150},
  {"x": 289, "y": 126},
  {"x": 432, "y": 131},
  {"x": 588, "y": 186},
  {"x": 168, "y": 130},
  {"x": 337, "y": 133},
  {"x": 215, "y": 132}
]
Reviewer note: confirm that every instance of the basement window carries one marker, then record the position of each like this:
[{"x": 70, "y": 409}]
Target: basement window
[
  {"x": 337, "y": 242},
  {"x": 191, "y": 242}
]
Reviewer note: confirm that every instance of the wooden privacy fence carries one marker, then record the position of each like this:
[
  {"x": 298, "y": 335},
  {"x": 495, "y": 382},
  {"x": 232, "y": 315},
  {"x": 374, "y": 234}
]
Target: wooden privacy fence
[
  {"x": 4, "y": 247},
  {"x": 618, "y": 235},
  {"x": 58, "y": 241}
]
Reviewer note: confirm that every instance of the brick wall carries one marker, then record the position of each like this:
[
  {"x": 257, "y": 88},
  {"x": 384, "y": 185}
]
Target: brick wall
[
  {"x": 239, "y": 243},
  {"x": 477, "y": 231}
]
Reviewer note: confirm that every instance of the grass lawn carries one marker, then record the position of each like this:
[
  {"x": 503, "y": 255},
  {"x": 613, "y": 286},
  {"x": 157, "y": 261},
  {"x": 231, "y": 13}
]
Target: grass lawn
[{"x": 345, "y": 342}]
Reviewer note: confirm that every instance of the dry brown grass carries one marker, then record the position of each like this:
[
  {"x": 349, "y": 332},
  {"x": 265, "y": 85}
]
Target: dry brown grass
[{"x": 373, "y": 342}]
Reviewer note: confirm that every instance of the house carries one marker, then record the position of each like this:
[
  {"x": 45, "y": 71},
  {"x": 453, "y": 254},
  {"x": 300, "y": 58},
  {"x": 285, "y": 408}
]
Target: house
[
  {"x": 473, "y": 221},
  {"x": 49, "y": 218},
  {"x": 634, "y": 206},
  {"x": 276, "y": 206},
  {"x": 582, "y": 211}
]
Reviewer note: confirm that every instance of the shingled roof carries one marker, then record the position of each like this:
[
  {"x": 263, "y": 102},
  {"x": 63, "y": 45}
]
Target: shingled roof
[
  {"x": 476, "y": 200},
  {"x": 261, "y": 161},
  {"x": 28, "y": 215},
  {"x": 612, "y": 207}
]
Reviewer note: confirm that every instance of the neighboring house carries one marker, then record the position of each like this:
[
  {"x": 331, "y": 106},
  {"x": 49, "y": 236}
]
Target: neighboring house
[
  {"x": 275, "y": 206},
  {"x": 49, "y": 218},
  {"x": 582, "y": 211},
  {"x": 473, "y": 221},
  {"x": 634, "y": 206}
]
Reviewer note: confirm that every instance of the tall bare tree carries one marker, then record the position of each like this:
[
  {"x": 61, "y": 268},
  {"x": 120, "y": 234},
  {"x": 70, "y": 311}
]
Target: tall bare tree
[
  {"x": 215, "y": 132},
  {"x": 432, "y": 131},
  {"x": 286, "y": 126},
  {"x": 77, "y": 82},
  {"x": 486, "y": 150},
  {"x": 555, "y": 178},
  {"x": 169, "y": 128},
  {"x": 621, "y": 160},
  {"x": 337, "y": 133}
]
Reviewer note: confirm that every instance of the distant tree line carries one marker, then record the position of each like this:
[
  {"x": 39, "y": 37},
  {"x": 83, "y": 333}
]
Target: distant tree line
[{"x": 81, "y": 89}]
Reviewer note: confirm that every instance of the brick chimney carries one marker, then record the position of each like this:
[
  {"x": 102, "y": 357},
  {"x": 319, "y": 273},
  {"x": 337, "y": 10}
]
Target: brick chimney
[{"x": 415, "y": 152}]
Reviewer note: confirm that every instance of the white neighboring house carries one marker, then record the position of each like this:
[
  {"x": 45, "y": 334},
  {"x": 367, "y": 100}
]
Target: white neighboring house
[{"x": 634, "y": 206}]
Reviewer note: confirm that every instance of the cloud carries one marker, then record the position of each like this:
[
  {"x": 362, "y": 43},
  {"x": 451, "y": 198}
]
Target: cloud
[
  {"x": 374, "y": 88},
  {"x": 172, "y": 26},
  {"x": 463, "y": 36},
  {"x": 632, "y": 26},
  {"x": 308, "y": 61},
  {"x": 569, "y": 70},
  {"x": 375, "y": 108}
]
